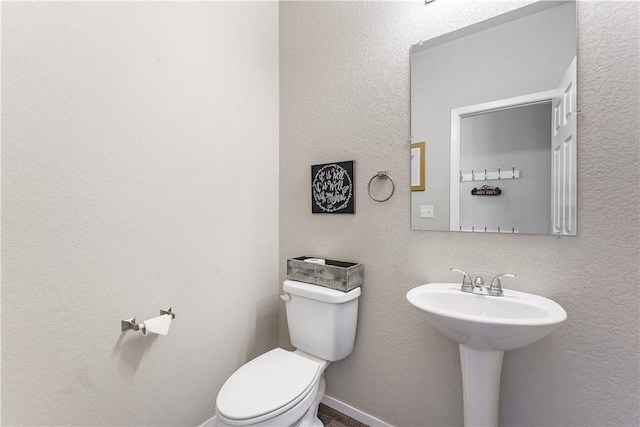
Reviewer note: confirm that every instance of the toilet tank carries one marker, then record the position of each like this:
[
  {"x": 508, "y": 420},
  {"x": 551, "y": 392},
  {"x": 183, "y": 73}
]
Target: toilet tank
[{"x": 322, "y": 321}]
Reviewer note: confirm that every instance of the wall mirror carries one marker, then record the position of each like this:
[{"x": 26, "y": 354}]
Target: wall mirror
[{"x": 495, "y": 105}]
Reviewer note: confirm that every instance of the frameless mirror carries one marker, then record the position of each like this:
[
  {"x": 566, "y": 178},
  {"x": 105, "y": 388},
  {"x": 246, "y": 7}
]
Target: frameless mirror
[{"x": 493, "y": 125}]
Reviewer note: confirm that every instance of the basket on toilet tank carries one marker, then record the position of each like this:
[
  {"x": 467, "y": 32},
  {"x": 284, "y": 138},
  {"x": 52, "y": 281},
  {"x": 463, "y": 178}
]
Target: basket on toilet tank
[{"x": 329, "y": 273}]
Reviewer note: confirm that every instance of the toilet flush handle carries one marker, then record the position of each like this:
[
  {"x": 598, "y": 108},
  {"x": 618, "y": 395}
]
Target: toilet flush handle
[{"x": 285, "y": 297}]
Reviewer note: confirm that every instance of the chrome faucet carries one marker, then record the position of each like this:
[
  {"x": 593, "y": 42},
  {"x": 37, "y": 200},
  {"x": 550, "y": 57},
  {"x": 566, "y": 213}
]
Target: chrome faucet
[
  {"x": 466, "y": 280},
  {"x": 478, "y": 286},
  {"x": 496, "y": 287}
]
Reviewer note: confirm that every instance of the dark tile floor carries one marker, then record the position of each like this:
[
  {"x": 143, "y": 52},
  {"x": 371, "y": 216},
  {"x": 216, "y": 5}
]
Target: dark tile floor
[{"x": 332, "y": 418}]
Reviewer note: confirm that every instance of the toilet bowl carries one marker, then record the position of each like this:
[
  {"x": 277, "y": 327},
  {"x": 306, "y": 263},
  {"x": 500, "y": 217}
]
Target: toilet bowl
[
  {"x": 284, "y": 388},
  {"x": 278, "y": 388}
]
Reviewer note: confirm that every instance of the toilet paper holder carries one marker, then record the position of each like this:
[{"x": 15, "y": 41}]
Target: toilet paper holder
[{"x": 130, "y": 323}]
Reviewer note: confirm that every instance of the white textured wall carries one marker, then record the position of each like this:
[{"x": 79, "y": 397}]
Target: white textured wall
[
  {"x": 139, "y": 170},
  {"x": 344, "y": 74}
]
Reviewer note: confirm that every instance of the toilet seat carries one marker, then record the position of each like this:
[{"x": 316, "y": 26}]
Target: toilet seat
[{"x": 267, "y": 386}]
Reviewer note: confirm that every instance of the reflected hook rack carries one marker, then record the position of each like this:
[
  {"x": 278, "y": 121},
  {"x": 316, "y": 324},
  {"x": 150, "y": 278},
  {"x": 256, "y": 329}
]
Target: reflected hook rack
[{"x": 499, "y": 174}]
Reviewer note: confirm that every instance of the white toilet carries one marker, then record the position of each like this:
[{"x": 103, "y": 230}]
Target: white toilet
[{"x": 284, "y": 388}]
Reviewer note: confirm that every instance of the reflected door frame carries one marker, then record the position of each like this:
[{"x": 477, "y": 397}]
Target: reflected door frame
[
  {"x": 456, "y": 116},
  {"x": 564, "y": 151}
]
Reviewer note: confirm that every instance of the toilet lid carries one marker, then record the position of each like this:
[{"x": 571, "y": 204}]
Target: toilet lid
[{"x": 265, "y": 384}]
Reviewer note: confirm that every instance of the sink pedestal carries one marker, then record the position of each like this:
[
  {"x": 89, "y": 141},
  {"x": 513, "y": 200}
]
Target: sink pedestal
[
  {"x": 484, "y": 327},
  {"x": 480, "y": 385}
]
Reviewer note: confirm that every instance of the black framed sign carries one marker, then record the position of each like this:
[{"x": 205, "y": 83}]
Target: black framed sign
[{"x": 332, "y": 188}]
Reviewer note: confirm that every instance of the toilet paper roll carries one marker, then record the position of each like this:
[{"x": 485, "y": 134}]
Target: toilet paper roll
[
  {"x": 157, "y": 325},
  {"x": 315, "y": 260}
]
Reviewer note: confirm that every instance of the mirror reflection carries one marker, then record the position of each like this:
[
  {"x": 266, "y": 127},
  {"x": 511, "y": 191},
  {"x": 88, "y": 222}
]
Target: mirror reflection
[{"x": 493, "y": 125}]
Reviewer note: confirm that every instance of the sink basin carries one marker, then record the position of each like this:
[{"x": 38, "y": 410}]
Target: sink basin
[
  {"x": 484, "y": 327},
  {"x": 484, "y": 322}
]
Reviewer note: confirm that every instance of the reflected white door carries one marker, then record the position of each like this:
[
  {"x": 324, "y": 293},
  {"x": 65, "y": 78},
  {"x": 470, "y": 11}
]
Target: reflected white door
[{"x": 564, "y": 161}]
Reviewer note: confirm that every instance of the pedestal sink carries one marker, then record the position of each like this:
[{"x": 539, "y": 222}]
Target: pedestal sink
[{"x": 484, "y": 327}]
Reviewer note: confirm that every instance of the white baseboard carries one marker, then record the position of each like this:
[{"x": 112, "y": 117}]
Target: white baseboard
[
  {"x": 354, "y": 413},
  {"x": 211, "y": 422},
  {"x": 334, "y": 403}
]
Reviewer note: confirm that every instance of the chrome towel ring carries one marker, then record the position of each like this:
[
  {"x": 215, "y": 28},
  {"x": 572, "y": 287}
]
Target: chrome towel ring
[{"x": 381, "y": 175}]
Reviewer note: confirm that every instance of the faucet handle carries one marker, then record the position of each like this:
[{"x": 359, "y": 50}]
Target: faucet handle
[
  {"x": 496, "y": 287},
  {"x": 466, "y": 280}
]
